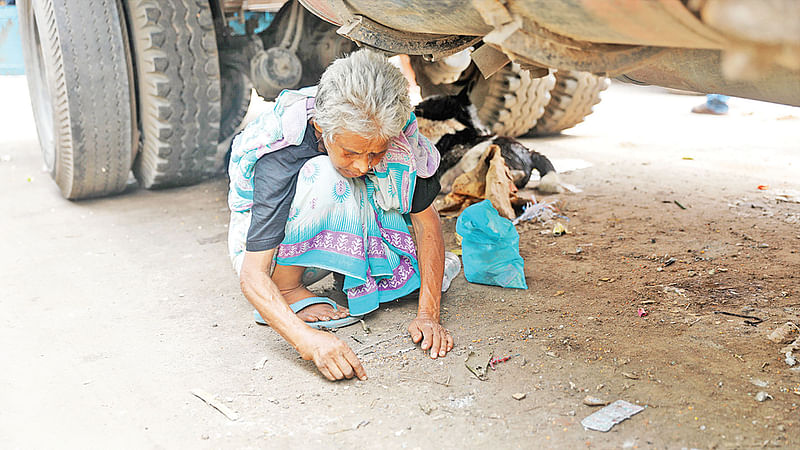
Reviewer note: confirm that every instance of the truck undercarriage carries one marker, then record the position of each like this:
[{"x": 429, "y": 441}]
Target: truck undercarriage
[{"x": 160, "y": 87}]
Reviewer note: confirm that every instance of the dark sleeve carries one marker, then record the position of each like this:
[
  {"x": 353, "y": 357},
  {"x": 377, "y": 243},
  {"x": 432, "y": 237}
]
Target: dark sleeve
[
  {"x": 425, "y": 192},
  {"x": 274, "y": 184}
]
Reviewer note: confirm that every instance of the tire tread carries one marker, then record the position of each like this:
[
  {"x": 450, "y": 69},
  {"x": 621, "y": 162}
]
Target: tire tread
[
  {"x": 91, "y": 96},
  {"x": 573, "y": 98},
  {"x": 514, "y": 101},
  {"x": 179, "y": 91}
]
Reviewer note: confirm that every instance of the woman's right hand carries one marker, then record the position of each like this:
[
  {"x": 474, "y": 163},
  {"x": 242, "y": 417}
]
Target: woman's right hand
[{"x": 334, "y": 359}]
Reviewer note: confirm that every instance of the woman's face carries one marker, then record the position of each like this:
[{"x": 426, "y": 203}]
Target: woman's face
[{"x": 353, "y": 155}]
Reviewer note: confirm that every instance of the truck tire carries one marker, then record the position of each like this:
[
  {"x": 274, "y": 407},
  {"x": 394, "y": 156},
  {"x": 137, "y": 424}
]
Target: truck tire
[
  {"x": 571, "y": 101},
  {"x": 178, "y": 82},
  {"x": 81, "y": 93},
  {"x": 321, "y": 47},
  {"x": 510, "y": 102},
  {"x": 236, "y": 93}
]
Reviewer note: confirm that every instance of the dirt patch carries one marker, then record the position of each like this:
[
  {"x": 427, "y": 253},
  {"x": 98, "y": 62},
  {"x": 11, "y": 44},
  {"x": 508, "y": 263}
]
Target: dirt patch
[{"x": 116, "y": 309}]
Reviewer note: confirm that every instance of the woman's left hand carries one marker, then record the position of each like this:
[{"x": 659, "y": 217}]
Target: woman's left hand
[{"x": 432, "y": 334}]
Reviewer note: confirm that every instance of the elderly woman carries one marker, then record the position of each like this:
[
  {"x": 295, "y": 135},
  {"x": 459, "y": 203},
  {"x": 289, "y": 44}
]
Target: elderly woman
[{"x": 328, "y": 180}]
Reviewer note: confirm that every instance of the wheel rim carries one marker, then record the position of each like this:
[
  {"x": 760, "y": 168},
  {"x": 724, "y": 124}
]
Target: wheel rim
[{"x": 41, "y": 95}]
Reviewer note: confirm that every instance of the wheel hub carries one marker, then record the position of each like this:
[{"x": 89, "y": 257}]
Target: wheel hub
[{"x": 274, "y": 70}]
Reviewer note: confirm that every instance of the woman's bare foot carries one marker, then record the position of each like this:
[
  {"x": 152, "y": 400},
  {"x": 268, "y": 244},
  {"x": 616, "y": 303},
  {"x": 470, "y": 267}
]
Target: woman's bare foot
[
  {"x": 313, "y": 313},
  {"x": 287, "y": 278}
]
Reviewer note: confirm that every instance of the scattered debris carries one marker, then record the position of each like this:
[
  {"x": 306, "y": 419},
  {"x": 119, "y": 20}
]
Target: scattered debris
[
  {"x": 605, "y": 419},
  {"x": 641, "y": 312},
  {"x": 669, "y": 262},
  {"x": 788, "y": 350},
  {"x": 679, "y": 204},
  {"x": 789, "y": 196},
  {"x": 362, "y": 350},
  {"x": 630, "y": 375},
  {"x": 754, "y": 321},
  {"x": 260, "y": 364},
  {"x": 355, "y": 426},
  {"x": 674, "y": 290},
  {"x": 365, "y": 327},
  {"x": 759, "y": 383},
  {"x": 559, "y": 229},
  {"x": 477, "y": 364},
  {"x": 558, "y": 293},
  {"x": 519, "y": 396},
  {"x": 427, "y": 408},
  {"x": 212, "y": 401},
  {"x": 762, "y": 187},
  {"x": 541, "y": 212},
  {"x": 462, "y": 402},
  {"x": 762, "y": 396},
  {"x": 594, "y": 401},
  {"x": 571, "y": 188},
  {"x": 446, "y": 382},
  {"x": 784, "y": 334},
  {"x": 494, "y": 361}
]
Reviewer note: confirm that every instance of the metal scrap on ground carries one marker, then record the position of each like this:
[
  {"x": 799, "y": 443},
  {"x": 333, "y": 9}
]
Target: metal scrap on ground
[
  {"x": 606, "y": 418},
  {"x": 212, "y": 401}
]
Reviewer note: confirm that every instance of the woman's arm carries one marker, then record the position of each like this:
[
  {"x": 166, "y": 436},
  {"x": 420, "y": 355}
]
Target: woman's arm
[
  {"x": 430, "y": 256},
  {"x": 334, "y": 359}
]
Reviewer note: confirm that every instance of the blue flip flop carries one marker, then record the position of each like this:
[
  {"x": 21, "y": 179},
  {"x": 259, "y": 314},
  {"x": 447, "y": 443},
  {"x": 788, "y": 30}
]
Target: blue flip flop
[{"x": 321, "y": 324}]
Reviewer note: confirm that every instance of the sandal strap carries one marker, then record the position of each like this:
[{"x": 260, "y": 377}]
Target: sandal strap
[{"x": 299, "y": 306}]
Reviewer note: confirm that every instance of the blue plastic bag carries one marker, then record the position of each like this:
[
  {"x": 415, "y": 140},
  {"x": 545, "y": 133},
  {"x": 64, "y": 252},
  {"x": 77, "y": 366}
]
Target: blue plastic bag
[{"x": 490, "y": 247}]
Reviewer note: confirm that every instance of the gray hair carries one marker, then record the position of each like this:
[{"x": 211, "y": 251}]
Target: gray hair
[{"x": 364, "y": 94}]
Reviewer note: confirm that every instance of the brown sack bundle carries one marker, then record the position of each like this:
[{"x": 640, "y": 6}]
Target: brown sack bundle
[{"x": 490, "y": 179}]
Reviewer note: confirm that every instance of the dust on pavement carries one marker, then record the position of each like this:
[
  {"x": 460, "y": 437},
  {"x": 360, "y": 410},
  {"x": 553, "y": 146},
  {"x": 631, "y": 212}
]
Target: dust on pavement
[{"x": 113, "y": 310}]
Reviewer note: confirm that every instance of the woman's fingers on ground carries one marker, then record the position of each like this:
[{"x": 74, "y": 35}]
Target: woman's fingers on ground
[
  {"x": 450, "y": 342},
  {"x": 324, "y": 371},
  {"x": 334, "y": 369},
  {"x": 351, "y": 357},
  {"x": 437, "y": 342},
  {"x": 427, "y": 341},
  {"x": 416, "y": 334},
  {"x": 344, "y": 366}
]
